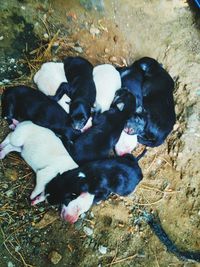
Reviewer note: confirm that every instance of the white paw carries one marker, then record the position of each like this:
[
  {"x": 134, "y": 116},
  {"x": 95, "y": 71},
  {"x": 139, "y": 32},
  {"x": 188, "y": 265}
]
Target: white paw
[{"x": 2, "y": 154}]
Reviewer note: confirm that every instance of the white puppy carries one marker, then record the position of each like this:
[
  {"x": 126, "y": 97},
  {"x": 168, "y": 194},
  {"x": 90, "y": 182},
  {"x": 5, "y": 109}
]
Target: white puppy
[
  {"x": 49, "y": 77},
  {"x": 42, "y": 150},
  {"x": 107, "y": 81}
]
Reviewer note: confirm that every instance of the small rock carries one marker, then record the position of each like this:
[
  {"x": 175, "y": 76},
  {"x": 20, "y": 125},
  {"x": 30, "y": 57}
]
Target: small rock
[
  {"x": 106, "y": 50},
  {"x": 46, "y": 36},
  {"x": 115, "y": 38},
  {"x": 10, "y": 264},
  {"x": 102, "y": 249},
  {"x": 83, "y": 215},
  {"x": 11, "y": 174},
  {"x": 9, "y": 193},
  {"x": 78, "y": 49},
  {"x": 113, "y": 59},
  {"x": 54, "y": 257},
  {"x": 88, "y": 231},
  {"x": 48, "y": 218},
  {"x": 1, "y": 37},
  {"x": 94, "y": 31}
]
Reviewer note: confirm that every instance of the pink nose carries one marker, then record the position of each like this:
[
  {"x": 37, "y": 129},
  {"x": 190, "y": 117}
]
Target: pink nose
[{"x": 128, "y": 130}]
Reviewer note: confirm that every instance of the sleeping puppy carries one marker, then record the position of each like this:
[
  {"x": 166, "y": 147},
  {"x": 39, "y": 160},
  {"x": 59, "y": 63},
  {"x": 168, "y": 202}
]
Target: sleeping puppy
[
  {"x": 97, "y": 179},
  {"x": 97, "y": 142},
  {"x": 80, "y": 88},
  {"x": 42, "y": 150},
  {"x": 107, "y": 81},
  {"x": 48, "y": 79},
  {"x": 153, "y": 89},
  {"x": 24, "y": 103}
]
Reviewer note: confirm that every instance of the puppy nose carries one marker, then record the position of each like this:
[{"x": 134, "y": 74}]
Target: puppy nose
[{"x": 129, "y": 130}]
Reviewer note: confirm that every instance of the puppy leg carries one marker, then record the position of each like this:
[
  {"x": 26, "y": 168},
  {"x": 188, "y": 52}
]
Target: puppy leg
[
  {"x": 6, "y": 147},
  {"x": 43, "y": 177}
]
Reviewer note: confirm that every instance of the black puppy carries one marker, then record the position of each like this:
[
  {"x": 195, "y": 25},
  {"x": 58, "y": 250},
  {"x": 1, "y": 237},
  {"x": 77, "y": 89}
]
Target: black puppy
[
  {"x": 100, "y": 178},
  {"x": 97, "y": 142},
  {"x": 153, "y": 89},
  {"x": 80, "y": 88},
  {"x": 24, "y": 103}
]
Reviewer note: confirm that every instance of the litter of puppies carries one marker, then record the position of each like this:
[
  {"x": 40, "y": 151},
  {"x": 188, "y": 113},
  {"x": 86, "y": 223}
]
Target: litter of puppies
[{"x": 68, "y": 144}]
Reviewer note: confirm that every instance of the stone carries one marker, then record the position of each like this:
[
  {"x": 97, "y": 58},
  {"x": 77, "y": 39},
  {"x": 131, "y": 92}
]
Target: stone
[
  {"x": 102, "y": 249},
  {"x": 54, "y": 257},
  {"x": 88, "y": 231}
]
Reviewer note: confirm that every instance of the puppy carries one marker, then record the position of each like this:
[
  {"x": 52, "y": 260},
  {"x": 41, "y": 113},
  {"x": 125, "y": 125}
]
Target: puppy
[
  {"x": 98, "y": 179},
  {"x": 97, "y": 142},
  {"x": 153, "y": 89},
  {"x": 80, "y": 88},
  {"x": 48, "y": 79},
  {"x": 107, "y": 81},
  {"x": 42, "y": 150},
  {"x": 24, "y": 103}
]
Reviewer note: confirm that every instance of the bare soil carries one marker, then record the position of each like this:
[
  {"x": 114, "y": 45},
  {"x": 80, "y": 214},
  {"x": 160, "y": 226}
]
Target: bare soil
[{"x": 124, "y": 31}]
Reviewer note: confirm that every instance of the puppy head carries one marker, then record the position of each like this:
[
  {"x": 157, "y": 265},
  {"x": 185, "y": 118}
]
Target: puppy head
[
  {"x": 66, "y": 187},
  {"x": 77, "y": 66},
  {"x": 124, "y": 101},
  {"x": 80, "y": 112},
  {"x": 135, "y": 125},
  {"x": 149, "y": 65}
]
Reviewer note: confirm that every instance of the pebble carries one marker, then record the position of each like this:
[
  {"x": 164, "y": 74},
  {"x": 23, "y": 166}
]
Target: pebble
[
  {"x": 46, "y": 36},
  {"x": 10, "y": 264},
  {"x": 106, "y": 50},
  {"x": 102, "y": 249},
  {"x": 78, "y": 49},
  {"x": 94, "y": 30},
  {"x": 88, "y": 231},
  {"x": 113, "y": 59},
  {"x": 54, "y": 257},
  {"x": 9, "y": 193}
]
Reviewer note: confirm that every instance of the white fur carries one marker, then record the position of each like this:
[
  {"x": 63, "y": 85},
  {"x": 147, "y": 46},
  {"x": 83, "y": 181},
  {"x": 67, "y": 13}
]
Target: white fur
[
  {"x": 76, "y": 207},
  {"x": 125, "y": 144},
  {"x": 107, "y": 81},
  {"x": 42, "y": 150},
  {"x": 49, "y": 77}
]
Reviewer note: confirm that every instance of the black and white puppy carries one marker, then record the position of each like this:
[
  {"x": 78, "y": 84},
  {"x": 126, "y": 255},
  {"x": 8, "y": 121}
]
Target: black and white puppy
[
  {"x": 97, "y": 180},
  {"x": 80, "y": 88},
  {"x": 97, "y": 142},
  {"x": 20, "y": 103},
  {"x": 153, "y": 88}
]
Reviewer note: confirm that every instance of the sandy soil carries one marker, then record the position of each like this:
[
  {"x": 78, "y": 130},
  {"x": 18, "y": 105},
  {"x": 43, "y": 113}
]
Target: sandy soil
[{"x": 124, "y": 31}]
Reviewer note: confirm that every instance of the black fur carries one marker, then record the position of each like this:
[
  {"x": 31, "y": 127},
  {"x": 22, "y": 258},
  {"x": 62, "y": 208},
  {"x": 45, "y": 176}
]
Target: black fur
[
  {"x": 153, "y": 89},
  {"x": 80, "y": 88},
  {"x": 25, "y": 103},
  {"x": 156, "y": 227},
  {"x": 97, "y": 142},
  {"x": 119, "y": 175}
]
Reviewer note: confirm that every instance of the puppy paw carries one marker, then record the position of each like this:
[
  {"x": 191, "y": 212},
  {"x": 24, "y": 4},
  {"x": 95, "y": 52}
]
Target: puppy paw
[
  {"x": 2, "y": 154},
  {"x": 12, "y": 126}
]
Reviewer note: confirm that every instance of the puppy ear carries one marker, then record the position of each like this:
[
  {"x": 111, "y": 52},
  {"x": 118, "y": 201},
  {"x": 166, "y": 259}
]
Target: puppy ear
[{"x": 120, "y": 106}]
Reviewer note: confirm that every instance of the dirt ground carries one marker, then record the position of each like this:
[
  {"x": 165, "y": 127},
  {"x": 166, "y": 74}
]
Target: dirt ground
[{"x": 118, "y": 32}]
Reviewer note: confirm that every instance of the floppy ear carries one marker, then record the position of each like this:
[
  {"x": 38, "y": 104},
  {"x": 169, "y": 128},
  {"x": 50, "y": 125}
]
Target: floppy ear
[{"x": 120, "y": 106}]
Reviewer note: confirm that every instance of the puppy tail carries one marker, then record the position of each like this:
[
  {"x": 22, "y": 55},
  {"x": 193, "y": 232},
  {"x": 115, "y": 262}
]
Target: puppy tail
[{"x": 157, "y": 228}]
